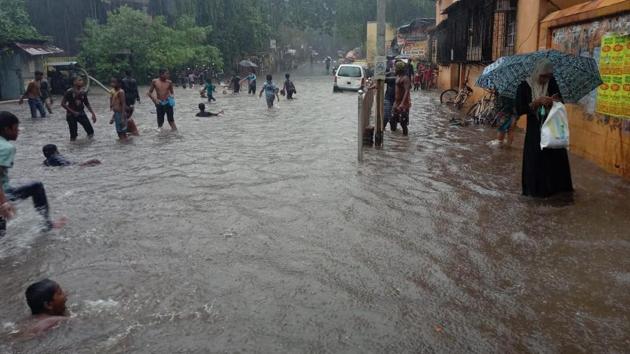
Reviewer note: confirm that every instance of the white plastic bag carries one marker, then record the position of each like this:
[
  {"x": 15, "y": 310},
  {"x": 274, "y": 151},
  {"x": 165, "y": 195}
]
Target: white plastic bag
[{"x": 554, "y": 133}]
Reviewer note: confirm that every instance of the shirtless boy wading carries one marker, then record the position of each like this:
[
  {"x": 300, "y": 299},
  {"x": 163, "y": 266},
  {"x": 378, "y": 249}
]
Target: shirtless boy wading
[
  {"x": 402, "y": 102},
  {"x": 163, "y": 99},
  {"x": 34, "y": 95},
  {"x": 118, "y": 105}
]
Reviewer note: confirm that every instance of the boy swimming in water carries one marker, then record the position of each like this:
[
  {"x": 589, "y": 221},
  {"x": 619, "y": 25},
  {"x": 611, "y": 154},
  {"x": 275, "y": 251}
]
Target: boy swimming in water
[
  {"x": 55, "y": 159},
  {"x": 270, "y": 90},
  {"x": 9, "y": 130},
  {"x": 48, "y": 306},
  {"x": 117, "y": 103},
  {"x": 203, "y": 113}
]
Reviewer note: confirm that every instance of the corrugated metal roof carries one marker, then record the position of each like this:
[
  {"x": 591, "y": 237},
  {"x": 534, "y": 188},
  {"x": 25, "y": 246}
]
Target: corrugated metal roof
[
  {"x": 426, "y": 22},
  {"x": 38, "y": 48},
  {"x": 439, "y": 26},
  {"x": 452, "y": 6},
  {"x": 585, "y": 7},
  {"x": 63, "y": 63}
]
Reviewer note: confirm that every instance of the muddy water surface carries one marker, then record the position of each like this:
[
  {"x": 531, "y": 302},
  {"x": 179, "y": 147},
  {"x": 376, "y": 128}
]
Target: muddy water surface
[{"x": 259, "y": 232}]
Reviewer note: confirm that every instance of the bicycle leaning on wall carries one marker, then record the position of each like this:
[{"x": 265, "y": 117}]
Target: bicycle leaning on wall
[
  {"x": 456, "y": 98},
  {"x": 484, "y": 111}
]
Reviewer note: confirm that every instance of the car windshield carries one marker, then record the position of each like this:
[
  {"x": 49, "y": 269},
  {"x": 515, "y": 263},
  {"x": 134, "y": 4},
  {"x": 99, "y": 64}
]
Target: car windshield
[{"x": 349, "y": 71}]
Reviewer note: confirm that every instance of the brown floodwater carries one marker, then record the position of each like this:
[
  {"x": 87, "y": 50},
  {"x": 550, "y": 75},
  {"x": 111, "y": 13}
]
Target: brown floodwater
[{"x": 258, "y": 231}]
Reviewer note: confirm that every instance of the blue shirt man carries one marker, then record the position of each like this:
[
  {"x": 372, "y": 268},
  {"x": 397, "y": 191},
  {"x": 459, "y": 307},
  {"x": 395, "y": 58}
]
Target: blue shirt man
[
  {"x": 251, "y": 83},
  {"x": 270, "y": 90},
  {"x": 7, "y": 155}
]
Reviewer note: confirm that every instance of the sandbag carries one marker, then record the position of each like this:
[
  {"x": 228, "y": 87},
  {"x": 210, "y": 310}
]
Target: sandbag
[{"x": 554, "y": 133}]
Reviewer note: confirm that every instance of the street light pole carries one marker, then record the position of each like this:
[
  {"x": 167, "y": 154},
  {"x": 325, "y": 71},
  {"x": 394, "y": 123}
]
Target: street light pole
[{"x": 379, "y": 71}]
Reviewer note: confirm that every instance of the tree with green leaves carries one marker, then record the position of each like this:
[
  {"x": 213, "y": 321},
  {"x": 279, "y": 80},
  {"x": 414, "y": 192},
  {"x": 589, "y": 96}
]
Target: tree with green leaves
[
  {"x": 132, "y": 40},
  {"x": 240, "y": 27},
  {"x": 245, "y": 26},
  {"x": 15, "y": 22}
]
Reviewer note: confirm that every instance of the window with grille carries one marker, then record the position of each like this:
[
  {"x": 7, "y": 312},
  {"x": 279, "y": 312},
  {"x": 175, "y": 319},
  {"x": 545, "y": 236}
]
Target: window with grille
[
  {"x": 469, "y": 35},
  {"x": 473, "y": 52},
  {"x": 480, "y": 16},
  {"x": 510, "y": 30},
  {"x": 505, "y": 28}
]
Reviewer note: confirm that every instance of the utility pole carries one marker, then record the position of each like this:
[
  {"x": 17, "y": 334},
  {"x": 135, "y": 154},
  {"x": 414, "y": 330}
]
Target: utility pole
[{"x": 379, "y": 71}]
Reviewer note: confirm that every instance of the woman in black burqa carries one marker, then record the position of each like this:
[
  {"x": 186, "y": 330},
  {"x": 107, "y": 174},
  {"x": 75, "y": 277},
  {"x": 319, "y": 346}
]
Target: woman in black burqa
[{"x": 545, "y": 172}]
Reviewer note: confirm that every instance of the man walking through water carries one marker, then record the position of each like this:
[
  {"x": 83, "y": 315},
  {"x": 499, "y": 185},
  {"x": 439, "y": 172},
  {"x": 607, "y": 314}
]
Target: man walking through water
[
  {"x": 402, "y": 102},
  {"x": 165, "y": 100},
  {"x": 270, "y": 90},
  {"x": 75, "y": 101},
  {"x": 251, "y": 82},
  {"x": 130, "y": 86},
  {"x": 34, "y": 95}
]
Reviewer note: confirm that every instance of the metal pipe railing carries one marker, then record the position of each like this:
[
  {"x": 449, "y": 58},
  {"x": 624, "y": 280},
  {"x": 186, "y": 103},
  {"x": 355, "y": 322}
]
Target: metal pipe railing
[
  {"x": 360, "y": 126},
  {"x": 365, "y": 105}
]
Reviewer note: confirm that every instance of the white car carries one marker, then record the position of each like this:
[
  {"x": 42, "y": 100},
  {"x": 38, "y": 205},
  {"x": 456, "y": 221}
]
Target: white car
[{"x": 349, "y": 77}]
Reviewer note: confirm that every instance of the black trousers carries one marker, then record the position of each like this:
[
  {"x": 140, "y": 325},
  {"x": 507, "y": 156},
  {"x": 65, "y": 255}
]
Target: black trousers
[
  {"x": 33, "y": 190},
  {"x": 74, "y": 121},
  {"x": 163, "y": 110}
]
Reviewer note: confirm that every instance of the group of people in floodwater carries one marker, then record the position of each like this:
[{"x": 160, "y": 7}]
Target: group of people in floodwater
[
  {"x": 397, "y": 100},
  {"x": 46, "y": 298},
  {"x": 124, "y": 95},
  {"x": 545, "y": 171},
  {"x": 270, "y": 90}
]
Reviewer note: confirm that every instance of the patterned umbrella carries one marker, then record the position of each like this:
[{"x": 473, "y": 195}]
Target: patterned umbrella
[{"x": 576, "y": 76}]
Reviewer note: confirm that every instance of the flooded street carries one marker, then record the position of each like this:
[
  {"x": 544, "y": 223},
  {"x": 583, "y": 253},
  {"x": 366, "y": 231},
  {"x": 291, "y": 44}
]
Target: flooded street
[{"x": 258, "y": 231}]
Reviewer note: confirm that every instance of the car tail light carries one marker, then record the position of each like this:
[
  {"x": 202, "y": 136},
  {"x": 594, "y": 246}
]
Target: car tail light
[{"x": 363, "y": 82}]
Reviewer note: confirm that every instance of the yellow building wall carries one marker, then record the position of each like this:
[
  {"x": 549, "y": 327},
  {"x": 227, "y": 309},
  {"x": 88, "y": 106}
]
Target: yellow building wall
[
  {"x": 370, "y": 45},
  {"x": 444, "y": 78},
  {"x": 607, "y": 145},
  {"x": 474, "y": 71},
  {"x": 528, "y": 16}
]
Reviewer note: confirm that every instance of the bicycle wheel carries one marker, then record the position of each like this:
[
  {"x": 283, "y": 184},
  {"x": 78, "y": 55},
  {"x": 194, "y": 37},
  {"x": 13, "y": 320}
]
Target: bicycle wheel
[
  {"x": 494, "y": 118},
  {"x": 482, "y": 115},
  {"x": 473, "y": 111},
  {"x": 460, "y": 100},
  {"x": 448, "y": 96},
  {"x": 487, "y": 116}
]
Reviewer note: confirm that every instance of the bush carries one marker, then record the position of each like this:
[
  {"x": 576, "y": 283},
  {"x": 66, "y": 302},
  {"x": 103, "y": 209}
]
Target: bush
[{"x": 132, "y": 40}]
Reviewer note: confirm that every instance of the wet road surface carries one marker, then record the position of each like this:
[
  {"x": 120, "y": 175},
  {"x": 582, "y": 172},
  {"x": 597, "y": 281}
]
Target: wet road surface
[{"x": 259, "y": 232}]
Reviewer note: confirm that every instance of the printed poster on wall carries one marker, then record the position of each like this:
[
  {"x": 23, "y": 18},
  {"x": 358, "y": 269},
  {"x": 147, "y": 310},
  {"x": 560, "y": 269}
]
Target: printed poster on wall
[
  {"x": 590, "y": 39},
  {"x": 613, "y": 96}
]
